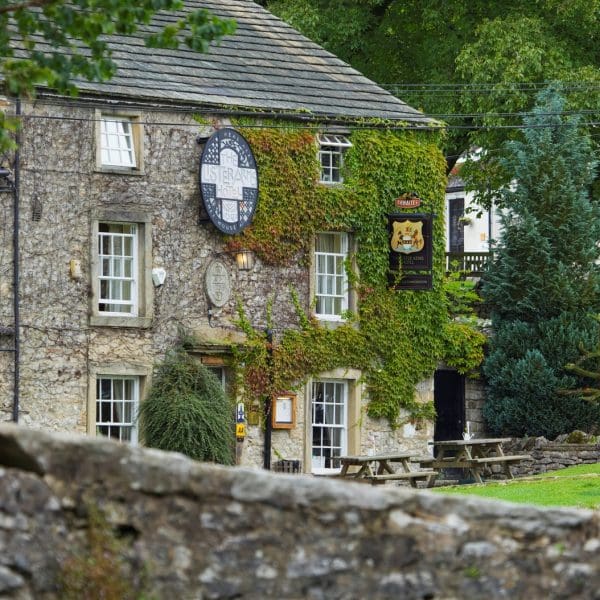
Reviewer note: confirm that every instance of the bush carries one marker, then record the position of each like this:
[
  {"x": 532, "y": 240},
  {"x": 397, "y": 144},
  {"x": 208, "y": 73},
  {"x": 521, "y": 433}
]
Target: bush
[{"x": 187, "y": 411}]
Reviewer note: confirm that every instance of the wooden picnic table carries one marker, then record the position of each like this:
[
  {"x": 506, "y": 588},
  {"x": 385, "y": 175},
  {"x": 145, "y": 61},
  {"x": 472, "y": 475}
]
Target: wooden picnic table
[
  {"x": 378, "y": 469},
  {"x": 475, "y": 455}
]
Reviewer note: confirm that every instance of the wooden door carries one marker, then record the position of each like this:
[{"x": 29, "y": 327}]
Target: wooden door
[{"x": 449, "y": 400}]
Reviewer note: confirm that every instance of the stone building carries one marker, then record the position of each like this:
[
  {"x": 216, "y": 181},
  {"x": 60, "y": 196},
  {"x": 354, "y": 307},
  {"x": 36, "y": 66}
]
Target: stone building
[{"x": 117, "y": 257}]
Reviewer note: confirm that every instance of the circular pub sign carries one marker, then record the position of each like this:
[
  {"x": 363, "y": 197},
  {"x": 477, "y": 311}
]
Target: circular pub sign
[{"x": 229, "y": 181}]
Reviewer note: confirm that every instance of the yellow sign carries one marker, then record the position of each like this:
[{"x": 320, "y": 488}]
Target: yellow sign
[
  {"x": 240, "y": 430},
  {"x": 407, "y": 236}
]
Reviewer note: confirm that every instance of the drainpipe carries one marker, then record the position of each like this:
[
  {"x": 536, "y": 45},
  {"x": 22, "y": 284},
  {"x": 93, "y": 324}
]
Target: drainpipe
[{"x": 16, "y": 259}]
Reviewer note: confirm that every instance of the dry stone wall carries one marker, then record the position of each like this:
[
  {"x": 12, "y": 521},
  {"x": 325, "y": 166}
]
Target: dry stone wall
[
  {"x": 551, "y": 456},
  {"x": 200, "y": 531}
]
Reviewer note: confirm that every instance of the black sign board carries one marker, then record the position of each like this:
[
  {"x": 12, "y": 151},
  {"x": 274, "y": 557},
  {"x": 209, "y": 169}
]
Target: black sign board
[
  {"x": 413, "y": 282},
  {"x": 410, "y": 249},
  {"x": 229, "y": 181},
  {"x": 410, "y": 241}
]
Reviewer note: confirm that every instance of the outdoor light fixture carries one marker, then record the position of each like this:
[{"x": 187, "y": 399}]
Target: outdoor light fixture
[
  {"x": 6, "y": 184},
  {"x": 245, "y": 260}
]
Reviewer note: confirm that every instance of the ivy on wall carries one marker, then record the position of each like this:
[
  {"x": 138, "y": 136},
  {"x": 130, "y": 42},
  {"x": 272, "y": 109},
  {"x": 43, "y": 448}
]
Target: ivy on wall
[{"x": 397, "y": 338}]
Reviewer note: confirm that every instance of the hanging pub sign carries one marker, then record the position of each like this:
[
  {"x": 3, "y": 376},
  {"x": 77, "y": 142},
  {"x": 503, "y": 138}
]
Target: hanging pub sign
[
  {"x": 228, "y": 181},
  {"x": 410, "y": 249},
  {"x": 408, "y": 200}
]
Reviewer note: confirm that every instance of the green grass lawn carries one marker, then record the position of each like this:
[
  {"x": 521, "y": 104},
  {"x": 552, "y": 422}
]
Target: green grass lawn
[{"x": 577, "y": 486}]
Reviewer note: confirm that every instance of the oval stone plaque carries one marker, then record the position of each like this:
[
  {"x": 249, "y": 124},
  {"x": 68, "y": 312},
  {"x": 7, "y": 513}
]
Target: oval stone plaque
[{"x": 217, "y": 283}]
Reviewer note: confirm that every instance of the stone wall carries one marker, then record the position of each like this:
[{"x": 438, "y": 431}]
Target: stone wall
[
  {"x": 201, "y": 531},
  {"x": 551, "y": 456},
  {"x": 474, "y": 400}
]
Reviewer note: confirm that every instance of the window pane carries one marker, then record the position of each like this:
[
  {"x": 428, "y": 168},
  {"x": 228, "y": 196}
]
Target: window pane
[
  {"x": 116, "y": 407},
  {"x": 118, "y": 268},
  {"x": 330, "y": 273},
  {"x": 329, "y": 433},
  {"x": 116, "y": 142}
]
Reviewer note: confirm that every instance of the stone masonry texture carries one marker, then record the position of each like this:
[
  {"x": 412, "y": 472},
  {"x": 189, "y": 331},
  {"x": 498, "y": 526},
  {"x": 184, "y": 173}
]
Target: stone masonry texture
[
  {"x": 201, "y": 531},
  {"x": 60, "y": 347}
]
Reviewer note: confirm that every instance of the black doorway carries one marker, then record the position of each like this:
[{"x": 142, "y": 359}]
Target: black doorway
[
  {"x": 449, "y": 401},
  {"x": 456, "y": 210}
]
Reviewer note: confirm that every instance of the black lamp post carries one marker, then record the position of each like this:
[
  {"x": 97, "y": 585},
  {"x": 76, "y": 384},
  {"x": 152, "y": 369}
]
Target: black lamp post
[{"x": 268, "y": 407}]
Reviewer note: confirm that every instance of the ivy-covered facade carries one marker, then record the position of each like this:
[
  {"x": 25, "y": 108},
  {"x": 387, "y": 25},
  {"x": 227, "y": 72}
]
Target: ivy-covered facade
[{"x": 118, "y": 264}]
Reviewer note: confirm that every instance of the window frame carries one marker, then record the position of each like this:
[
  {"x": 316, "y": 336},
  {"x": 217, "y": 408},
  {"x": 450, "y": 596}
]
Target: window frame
[
  {"x": 354, "y": 390},
  {"x": 116, "y": 281},
  {"x": 341, "y": 426},
  {"x": 122, "y": 370},
  {"x": 137, "y": 141},
  {"x": 143, "y": 275},
  {"x": 334, "y": 146},
  {"x": 348, "y": 301}
]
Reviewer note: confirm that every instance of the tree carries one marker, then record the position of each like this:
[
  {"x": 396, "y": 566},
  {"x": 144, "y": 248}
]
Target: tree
[
  {"x": 474, "y": 63},
  {"x": 543, "y": 287},
  {"x": 187, "y": 411},
  {"x": 52, "y": 42}
]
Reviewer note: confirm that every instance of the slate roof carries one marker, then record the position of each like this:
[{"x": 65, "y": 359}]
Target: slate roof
[{"x": 266, "y": 64}]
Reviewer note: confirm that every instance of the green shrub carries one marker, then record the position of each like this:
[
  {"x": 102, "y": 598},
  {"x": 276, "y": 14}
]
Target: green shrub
[{"x": 187, "y": 411}]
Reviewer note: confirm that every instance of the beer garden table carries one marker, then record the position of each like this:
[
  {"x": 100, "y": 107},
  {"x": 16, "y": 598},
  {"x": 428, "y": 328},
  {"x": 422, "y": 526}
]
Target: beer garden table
[
  {"x": 378, "y": 469},
  {"x": 475, "y": 455}
]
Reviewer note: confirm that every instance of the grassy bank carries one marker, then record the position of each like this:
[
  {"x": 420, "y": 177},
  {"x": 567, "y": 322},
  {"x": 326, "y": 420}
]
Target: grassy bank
[{"x": 577, "y": 486}]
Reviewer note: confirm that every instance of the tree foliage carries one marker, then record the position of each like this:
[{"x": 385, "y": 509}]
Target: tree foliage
[
  {"x": 53, "y": 42},
  {"x": 473, "y": 62},
  {"x": 543, "y": 286},
  {"x": 187, "y": 411}
]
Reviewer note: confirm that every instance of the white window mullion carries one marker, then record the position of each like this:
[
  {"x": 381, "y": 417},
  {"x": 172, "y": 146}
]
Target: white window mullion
[
  {"x": 331, "y": 282},
  {"x": 117, "y": 402},
  {"x": 117, "y": 248},
  {"x": 329, "y": 424},
  {"x": 117, "y": 147},
  {"x": 331, "y": 157}
]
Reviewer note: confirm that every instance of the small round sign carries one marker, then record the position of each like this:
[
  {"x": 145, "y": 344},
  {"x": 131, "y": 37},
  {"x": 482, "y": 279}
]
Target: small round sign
[{"x": 229, "y": 181}]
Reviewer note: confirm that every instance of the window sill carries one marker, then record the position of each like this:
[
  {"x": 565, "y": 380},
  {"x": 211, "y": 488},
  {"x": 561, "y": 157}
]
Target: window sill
[
  {"x": 106, "y": 321},
  {"x": 330, "y": 322},
  {"x": 108, "y": 170},
  {"x": 332, "y": 183}
]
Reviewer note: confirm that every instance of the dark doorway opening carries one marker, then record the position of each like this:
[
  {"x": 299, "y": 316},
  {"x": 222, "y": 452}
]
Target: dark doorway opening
[
  {"x": 456, "y": 210},
  {"x": 449, "y": 401}
]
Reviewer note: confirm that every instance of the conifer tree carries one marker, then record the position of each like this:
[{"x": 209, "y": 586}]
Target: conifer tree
[
  {"x": 543, "y": 287},
  {"x": 187, "y": 411}
]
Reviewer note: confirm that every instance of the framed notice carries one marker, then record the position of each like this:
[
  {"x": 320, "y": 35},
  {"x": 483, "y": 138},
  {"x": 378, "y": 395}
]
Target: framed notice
[{"x": 283, "y": 411}]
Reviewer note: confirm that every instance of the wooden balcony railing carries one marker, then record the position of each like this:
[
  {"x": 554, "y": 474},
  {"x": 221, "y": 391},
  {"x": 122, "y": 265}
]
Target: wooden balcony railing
[{"x": 474, "y": 263}]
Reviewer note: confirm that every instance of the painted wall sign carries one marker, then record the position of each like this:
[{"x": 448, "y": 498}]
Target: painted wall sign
[
  {"x": 229, "y": 181},
  {"x": 217, "y": 283}
]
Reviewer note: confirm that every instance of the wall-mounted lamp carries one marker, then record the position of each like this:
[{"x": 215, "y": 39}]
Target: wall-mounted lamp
[
  {"x": 6, "y": 183},
  {"x": 245, "y": 260}
]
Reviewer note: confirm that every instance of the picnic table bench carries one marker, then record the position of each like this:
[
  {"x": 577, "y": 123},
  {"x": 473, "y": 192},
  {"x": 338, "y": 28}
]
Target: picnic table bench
[
  {"x": 377, "y": 469},
  {"x": 475, "y": 455}
]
